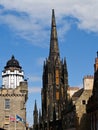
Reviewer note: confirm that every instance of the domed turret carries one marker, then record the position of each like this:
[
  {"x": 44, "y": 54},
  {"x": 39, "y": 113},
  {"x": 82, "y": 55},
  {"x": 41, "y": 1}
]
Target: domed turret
[
  {"x": 12, "y": 74},
  {"x": 12, "y": 63}
]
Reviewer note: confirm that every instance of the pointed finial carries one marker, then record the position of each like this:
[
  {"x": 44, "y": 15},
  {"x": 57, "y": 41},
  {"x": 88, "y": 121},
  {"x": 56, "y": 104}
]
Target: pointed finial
[
  {"x": 13, "y": 57},
  {"x": 53, "y": 19},
  {"x": 52, "y": 11},
  {"x": 35, "y": 107},
  {"x": 54, "y": 49},
  {"x": 64, "y": 60},
  {"x": 44, "y": 63}
]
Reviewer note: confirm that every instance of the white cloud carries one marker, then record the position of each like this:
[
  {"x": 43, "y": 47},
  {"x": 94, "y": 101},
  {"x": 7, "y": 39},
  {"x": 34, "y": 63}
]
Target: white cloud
[
  {"x": 34, "y": 90},
  {"x": 32, "y": 18},
  {"x": 34, "y": 78}
]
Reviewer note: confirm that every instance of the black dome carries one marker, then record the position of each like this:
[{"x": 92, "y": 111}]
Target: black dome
[{"x": 12, "y": 63}]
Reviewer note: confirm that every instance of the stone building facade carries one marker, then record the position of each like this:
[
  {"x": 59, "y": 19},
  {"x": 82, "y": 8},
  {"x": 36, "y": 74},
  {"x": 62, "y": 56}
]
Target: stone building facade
[
  {"x": 13, "y": 98},
  {"x": 74, "y": 116},
  {"x": 92, "y": 105}
]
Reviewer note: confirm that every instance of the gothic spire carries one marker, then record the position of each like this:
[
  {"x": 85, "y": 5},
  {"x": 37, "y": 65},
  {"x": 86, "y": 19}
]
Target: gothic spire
[
  {"x": 54, "y": 49},
  {"x": 35, "y": 114},
  {"x": 35, "y": 107}
]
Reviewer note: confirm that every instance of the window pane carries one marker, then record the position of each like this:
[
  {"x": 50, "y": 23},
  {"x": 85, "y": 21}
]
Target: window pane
[
  {"x": 83, "y": 102},
  {"x": 7, "y": 103}
]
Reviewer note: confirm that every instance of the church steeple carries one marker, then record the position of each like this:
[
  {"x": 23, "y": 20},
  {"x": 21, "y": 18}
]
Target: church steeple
[
  {"x": 35, "y": 114},
  {"x": 54, "y": 49},
  {"x": 55, "y": 79}
]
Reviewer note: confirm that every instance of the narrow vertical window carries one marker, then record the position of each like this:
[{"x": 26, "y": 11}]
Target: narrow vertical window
[
  {"x": 7, "y": 103},
  {"x": 57, "y": 77},
  {"x": 83, "y": 102},
  {"x": 57, "y": 95}
]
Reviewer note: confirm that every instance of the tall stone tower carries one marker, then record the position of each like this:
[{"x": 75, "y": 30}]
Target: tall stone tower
[
  {"x": 55, "y": 79},
  {"x": 13, "y": 97}
]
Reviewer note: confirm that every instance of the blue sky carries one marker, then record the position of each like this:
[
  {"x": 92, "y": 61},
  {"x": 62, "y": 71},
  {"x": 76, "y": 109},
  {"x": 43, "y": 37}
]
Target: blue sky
[{"x": 25, "y": 33}]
